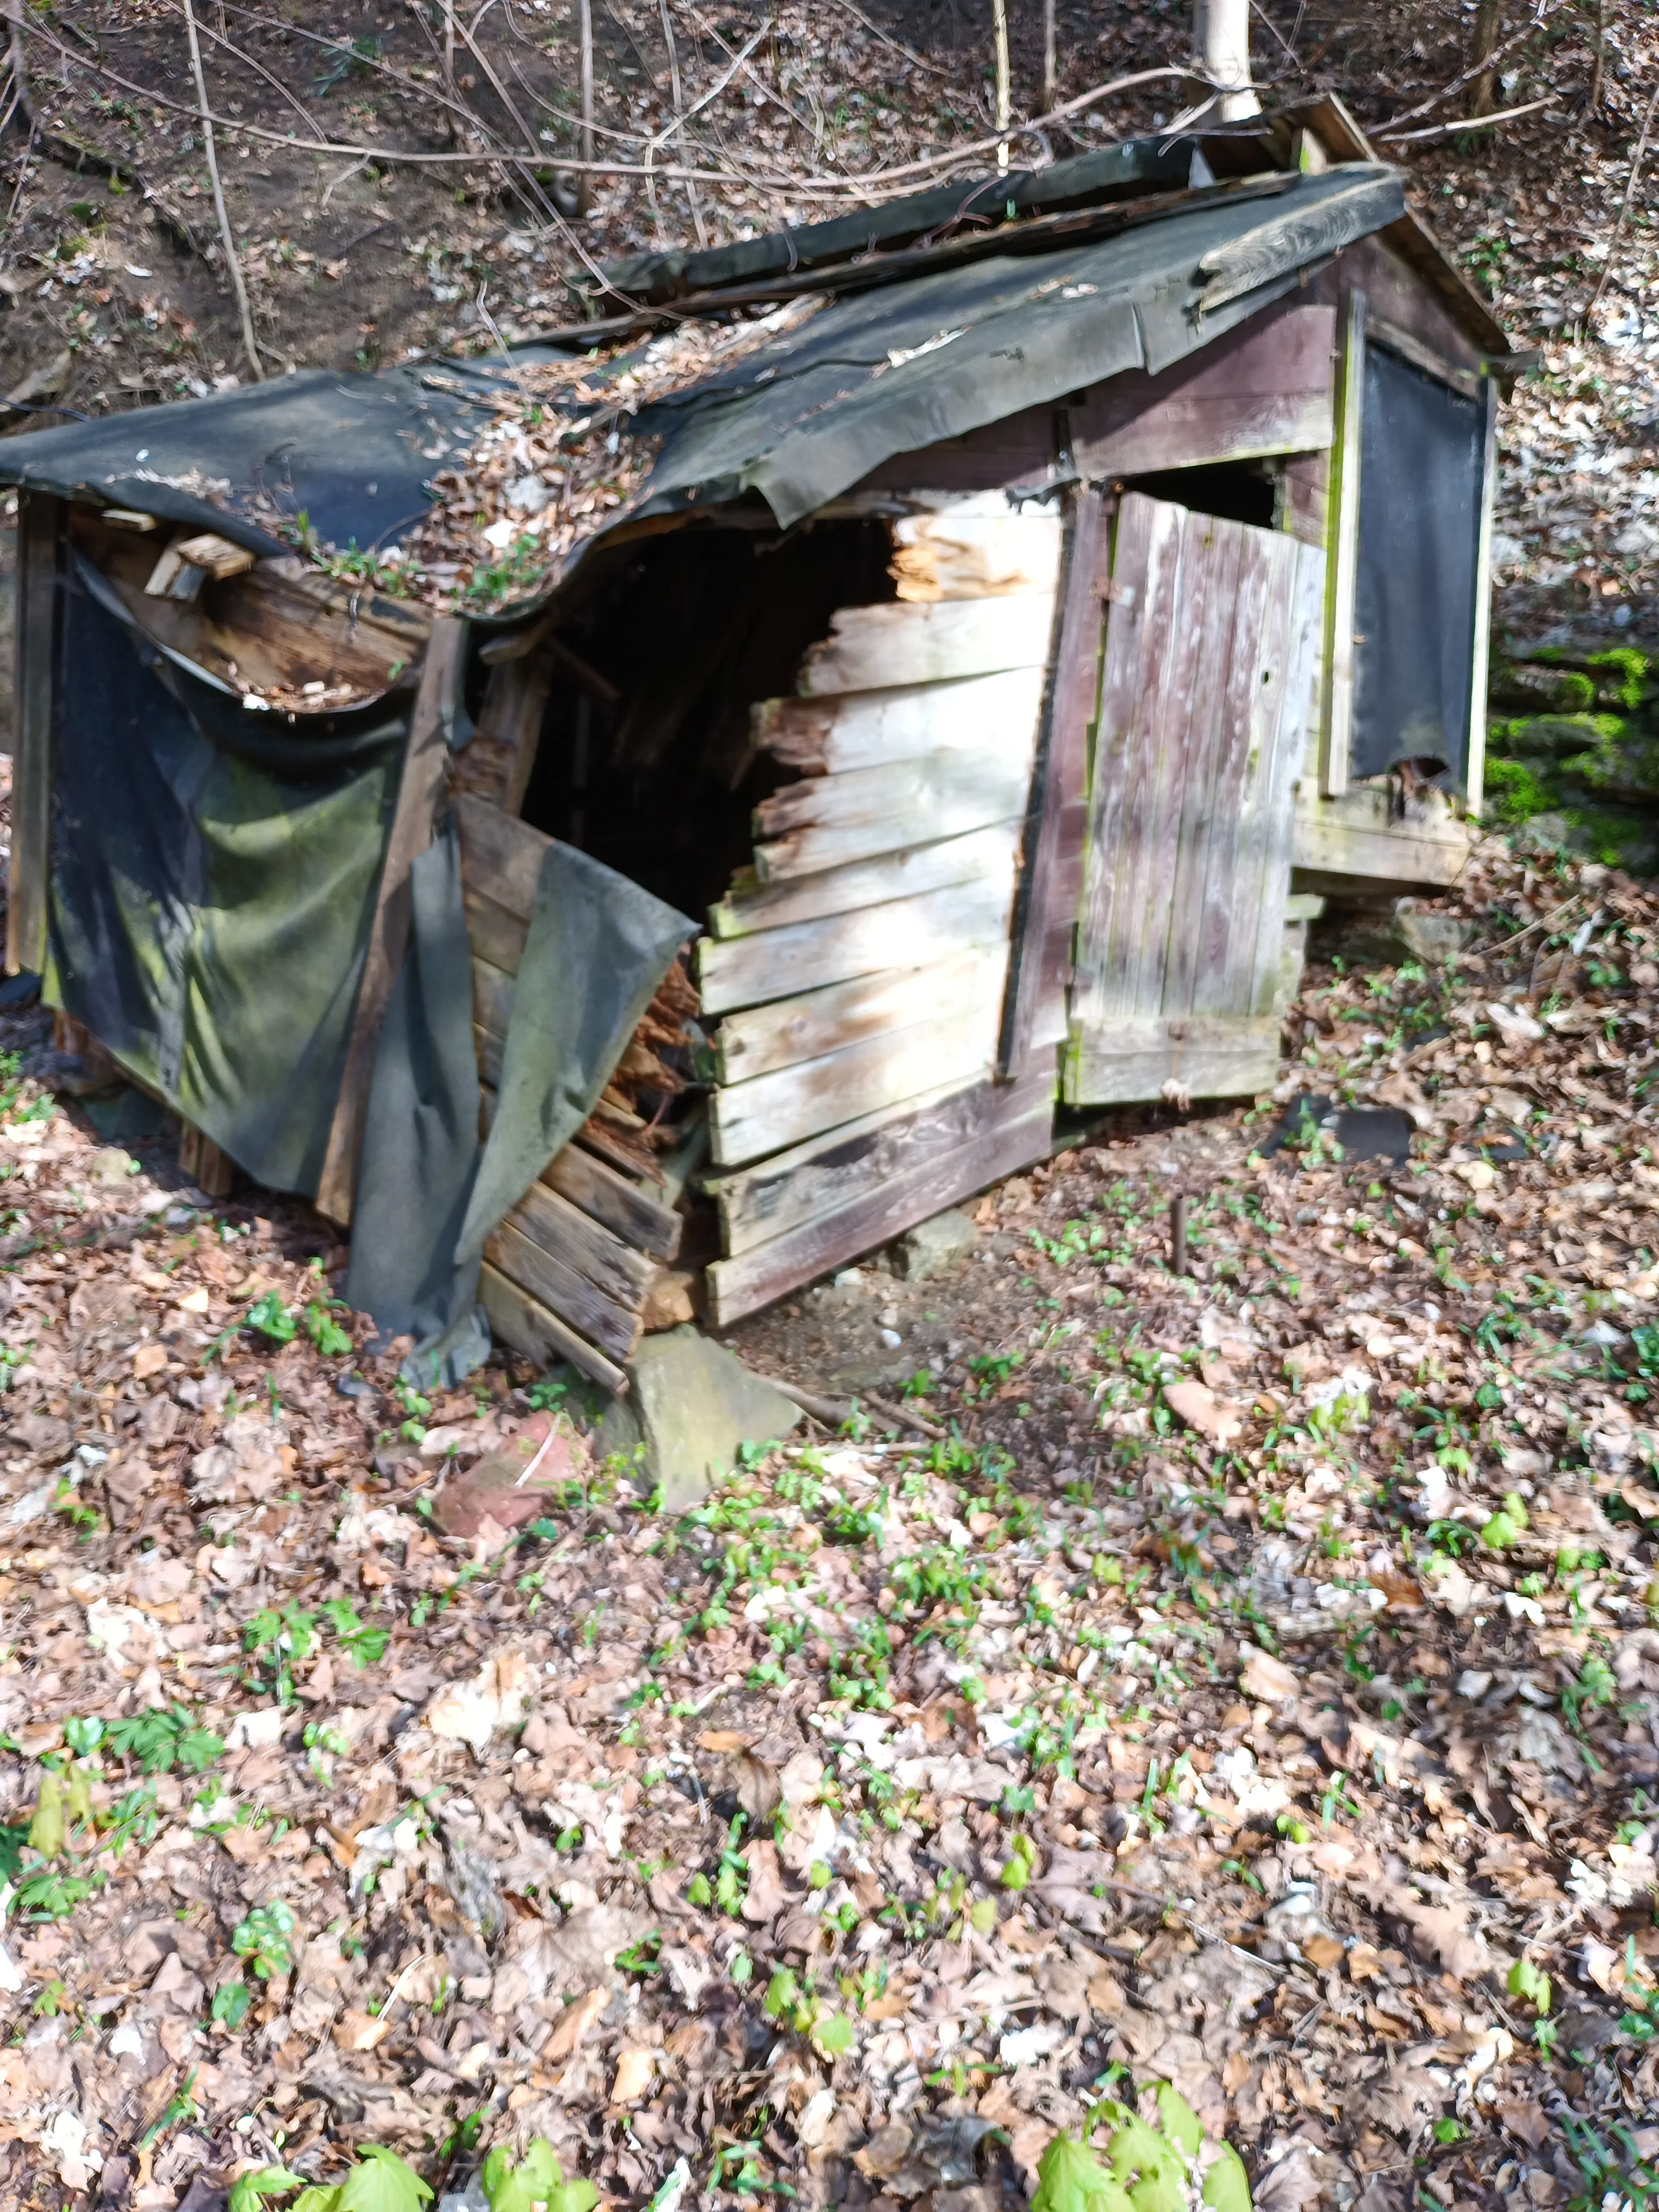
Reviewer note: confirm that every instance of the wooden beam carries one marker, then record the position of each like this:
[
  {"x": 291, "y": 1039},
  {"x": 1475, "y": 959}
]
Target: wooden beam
[
  {"x": 1474, "y": 777},
  {"x": 419, "y": 790},
  {"x": 501, "y": 856},
  {"x": 28, "y": 875},
  {"x": 872, "y": 648},
  {"x": 521, "y": 1321},
  {"x": 741, "y": 1285},
  {"x": 1210, "y": 1057},
  {"x": 496, "y": 767},
  {"x": 1341, "y": 576},
  {"x": 1051, "y": 881}
]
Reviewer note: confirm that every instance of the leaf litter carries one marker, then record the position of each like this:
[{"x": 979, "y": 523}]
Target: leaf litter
[{"x": 1250, "y": 1694}]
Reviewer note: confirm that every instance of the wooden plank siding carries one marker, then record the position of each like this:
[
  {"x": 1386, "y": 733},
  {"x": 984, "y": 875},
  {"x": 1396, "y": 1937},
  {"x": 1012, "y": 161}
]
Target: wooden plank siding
[
  {"x": 1206, "y": 688},
  {"x": 28, "y": 870},
  {"x": 861, "y": 971}
]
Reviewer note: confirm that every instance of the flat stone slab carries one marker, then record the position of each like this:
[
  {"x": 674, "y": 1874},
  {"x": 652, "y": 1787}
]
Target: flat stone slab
[
  {"x": 935, "y": 1247},
  {"x": 690, "y": 1405}
]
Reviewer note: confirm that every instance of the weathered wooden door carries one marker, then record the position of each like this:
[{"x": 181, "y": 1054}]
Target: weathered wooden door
[{"x": 1206, "y": 691}]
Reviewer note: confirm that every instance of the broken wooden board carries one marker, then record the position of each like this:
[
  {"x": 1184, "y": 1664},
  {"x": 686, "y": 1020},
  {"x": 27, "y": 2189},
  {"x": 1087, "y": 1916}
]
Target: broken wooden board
[
  {"x": 501, "y": 855},
  {"x": 991, "y": 715},
  {"x": 789, "y": 1030},
  {"x": 521, "y": 1321},
  {"x": 832, "y": 1170},
  {"x": 830, "y": 821},
  {"x": 776, "y": 964},
  {"x": 276, "y": 626},
  {"x": 747, "y": 1119},
  {"x": 1016, "y": 1133},
  {"x": 872, "y": 648},
  {"x": 495, "y": 767},
  {"x": 602, "y": 1257},
  {"x": 1205, "y": 1056},
  {"x": 591, "y": 1184},
  {"x": 983, "y": 855},
  {"x": 975, "y": 550},
  {"x": 551, "y": 1279},
  {"x": 1357, "y": 838}
]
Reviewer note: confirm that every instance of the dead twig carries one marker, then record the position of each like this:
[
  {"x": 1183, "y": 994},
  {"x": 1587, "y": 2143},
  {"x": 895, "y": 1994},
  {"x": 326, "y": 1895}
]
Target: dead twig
[
  {"x": 237, "y": 284},
  {"x": 1540, "y": 16},
  {"x": 1464, "y": 122},
  {"x": 835, "y": 1412},
  {"x": 1623, "y": 205},
  {"x": 691, "y": 199}
]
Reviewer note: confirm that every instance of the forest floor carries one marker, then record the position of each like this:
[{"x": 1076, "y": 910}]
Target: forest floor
[{"x": 1251, "y": 1688}]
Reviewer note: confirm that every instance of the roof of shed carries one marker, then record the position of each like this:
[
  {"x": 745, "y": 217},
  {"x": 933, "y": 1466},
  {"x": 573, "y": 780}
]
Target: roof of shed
[{"x": 975, "y": 329}]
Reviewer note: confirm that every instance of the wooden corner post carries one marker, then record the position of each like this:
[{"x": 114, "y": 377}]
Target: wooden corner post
[
  {"x": 419, "y": 792},
  {"x": 1342, "y": 568},
  {"x": 28, "y": 876},
  {"x": 1474, "y": 779}
]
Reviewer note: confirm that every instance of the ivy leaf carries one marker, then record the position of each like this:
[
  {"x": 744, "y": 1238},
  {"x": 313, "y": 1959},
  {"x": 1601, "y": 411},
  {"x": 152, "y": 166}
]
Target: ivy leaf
[{"x": 382, "y": 2184}]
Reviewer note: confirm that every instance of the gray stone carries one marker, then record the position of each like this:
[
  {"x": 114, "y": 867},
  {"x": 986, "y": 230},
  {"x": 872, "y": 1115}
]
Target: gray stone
[
  {"x": 690, "y": 1405},
  {"x": 1432, "y": 937},
  {"x": 934, "y": 1248}
]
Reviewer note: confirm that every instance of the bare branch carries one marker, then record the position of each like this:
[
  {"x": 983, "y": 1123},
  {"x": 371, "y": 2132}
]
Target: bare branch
[
  {"x": 227, "y": 236},
  {"x": 1465, "y": 123}
]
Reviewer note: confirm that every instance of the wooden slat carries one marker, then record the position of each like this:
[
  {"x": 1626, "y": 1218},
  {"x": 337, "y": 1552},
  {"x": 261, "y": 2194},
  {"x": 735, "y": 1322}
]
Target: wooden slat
[
  {"x": 789, "y": 1030},
  {"x": 564, "y": 1292},
  {"x": 501, "y": 856},
  {"x": 1342, "y": 575},
  {"x": 1264, "y": 389},
  {"x": 831, "y": 1170},
  {"x": 497, "y": 935},
  {"x": 523, "y": 1321},
  {"x": 831, "y": 821},
  {"x": 418, "y": 793},
  {"x": 874, "y": 648},
  {"x": 1211, "y": 1056},
  {"x": 1052, "y": 877},
  {"x": 496, "y": 767},
  {"x": 590, "y": 1183},
  {"x": 776, "y": 963},
  {"x": 1355, "y": 837},
  {"x": 1275, "y": 787},
  {"x": 742, "y": 1284},
  {"x": 975, "y": 550},
  {"x": 28, "y": 870},
  {"x": 565, "y": 1232},
  {"x": 987, "y": 855},
  {"x": 868, "y": 729},
  {"x": 492, "y": 997},
  {"x": 749, "y": 1119}
]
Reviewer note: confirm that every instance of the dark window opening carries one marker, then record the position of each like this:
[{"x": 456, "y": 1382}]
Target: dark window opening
[
  {"x": 1234, "y": 491},
  {"x": 692, "y": 629}
]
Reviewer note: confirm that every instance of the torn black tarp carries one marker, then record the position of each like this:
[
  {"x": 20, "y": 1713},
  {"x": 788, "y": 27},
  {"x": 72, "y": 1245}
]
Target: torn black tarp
[{"x": 428, "y": 1192}]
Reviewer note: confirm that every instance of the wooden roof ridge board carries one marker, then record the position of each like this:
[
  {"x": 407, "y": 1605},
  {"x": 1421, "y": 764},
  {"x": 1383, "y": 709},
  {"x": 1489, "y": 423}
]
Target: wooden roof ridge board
[{"x": 1084, "y": 180}]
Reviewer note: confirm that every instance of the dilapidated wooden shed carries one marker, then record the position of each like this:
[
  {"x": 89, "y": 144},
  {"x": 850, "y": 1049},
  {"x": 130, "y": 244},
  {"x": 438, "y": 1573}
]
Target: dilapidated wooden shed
[{"x": 1040, "y": 595}]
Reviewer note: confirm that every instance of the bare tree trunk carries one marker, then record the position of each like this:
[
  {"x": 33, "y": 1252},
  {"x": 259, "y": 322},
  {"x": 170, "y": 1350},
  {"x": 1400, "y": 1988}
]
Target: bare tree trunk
[
  {"x": 1004, "y": 84},
  {"x": 1488, "y": 22},
  {"x": 584, "y": 36},
  {"x": 1601, "y": 55},
  {"x": 226, "y": 235},
  {"x": 1050, "y": 62},
  {"x": 1224, "y": 54}
]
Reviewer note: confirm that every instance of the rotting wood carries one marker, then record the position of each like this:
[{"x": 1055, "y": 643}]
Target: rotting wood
[
  {"x": 605, "y": 1260},
  {"x": 501, "y": 855},
  {"x": 1206, "y": 1056},
  {"x": 788, "y": 1030},
  {"x": 831, "y": 821},
  {"x": 521, "y": 1321},
  {"x": 960, "y": 553},
  {"x": 215, "y": 555},
  {"x": 563, "y": 1289},
  {"x": 776, "y": 964},
  {"x": 834, "y": 1169},
  {"x": 983, "y": 855},
  {"x": 409, "y": 836},
  {"x": 1051, "y": 884},
  {"x": 1359, "y": 837},
  {"x": 608, "y": 1196},
  {"x": 1342, "y": 574},
  {"x": 211, "y": 1170},
  {"x": 872, "y": 648},
  {"x": 497, "y": 765},
  {"x": 29, "y": 868},
  {"x": 747, "y": 1119},
  {"x": 992, "y": 716},
  {"x": 741, "y": 1285}
]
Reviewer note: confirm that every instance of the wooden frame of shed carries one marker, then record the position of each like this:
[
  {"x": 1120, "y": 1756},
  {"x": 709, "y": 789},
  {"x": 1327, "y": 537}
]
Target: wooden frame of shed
[{"x": 1043, "y": 824}]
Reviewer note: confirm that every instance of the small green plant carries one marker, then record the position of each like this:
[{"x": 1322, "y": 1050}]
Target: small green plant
[
  {"x": 273, "y": 1319},
  {"x": 157, "y": 1742},
  {"x": 1508, "y": 1525},
  {"x": 364, "y": 1645},
  {"x": 325, "y": 1333},
  {"x": 1530, "y": 1984},
  {"x": 380, "y": 2182},
  {"x": 263, "y": 1939},
  {"x": 230, "y": 2003}
]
